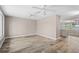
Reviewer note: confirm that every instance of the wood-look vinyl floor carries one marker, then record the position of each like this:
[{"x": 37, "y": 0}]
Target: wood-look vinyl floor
[{"x": 34, "y": 44}]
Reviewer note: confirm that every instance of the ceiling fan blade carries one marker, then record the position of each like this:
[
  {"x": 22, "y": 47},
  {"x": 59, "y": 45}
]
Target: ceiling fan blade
[
  {"x": 44, "y": 9},
  {"x": 38, "y": 12},
  {"x": 35, "y": 13},
  {"x": 38, "y": 8}
]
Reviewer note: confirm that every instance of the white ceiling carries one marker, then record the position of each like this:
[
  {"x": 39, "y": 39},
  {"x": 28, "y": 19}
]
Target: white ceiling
[{"x": 37, "y": 11}]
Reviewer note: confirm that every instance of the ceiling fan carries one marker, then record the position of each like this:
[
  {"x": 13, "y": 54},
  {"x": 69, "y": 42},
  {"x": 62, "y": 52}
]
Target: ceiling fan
[{"x": 42, "y": 10}]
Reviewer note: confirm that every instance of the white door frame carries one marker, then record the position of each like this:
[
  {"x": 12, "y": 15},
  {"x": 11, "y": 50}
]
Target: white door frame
[{"x": 3, "y": 31}]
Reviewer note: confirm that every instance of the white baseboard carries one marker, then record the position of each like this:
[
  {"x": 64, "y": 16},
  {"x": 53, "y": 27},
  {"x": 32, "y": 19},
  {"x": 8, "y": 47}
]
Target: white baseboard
[
  {"x": 54, "y": 38},
  {"x": 20, "y": 36}
]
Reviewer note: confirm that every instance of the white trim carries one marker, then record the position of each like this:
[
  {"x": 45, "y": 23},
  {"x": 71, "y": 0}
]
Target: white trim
[
  {"x": 3, "y": 23},
  {"x": 20, "y": 36},
  {"x": 54, "y": 38}
]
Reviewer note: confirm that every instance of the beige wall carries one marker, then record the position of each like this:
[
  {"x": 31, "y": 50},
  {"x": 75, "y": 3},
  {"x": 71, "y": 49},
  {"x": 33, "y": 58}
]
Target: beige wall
[
  {"x": 19, "y": 27},
  {"x": 48, "y": 27}
]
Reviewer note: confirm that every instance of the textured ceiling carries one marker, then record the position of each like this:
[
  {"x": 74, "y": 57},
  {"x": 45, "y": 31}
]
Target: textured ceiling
[{"x": 39, "y": 11}]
